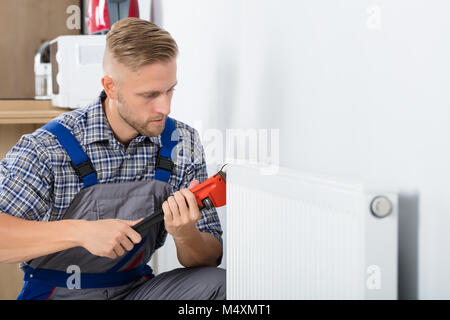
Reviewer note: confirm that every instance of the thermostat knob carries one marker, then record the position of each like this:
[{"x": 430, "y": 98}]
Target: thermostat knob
[{"x": 381, "y": 207}]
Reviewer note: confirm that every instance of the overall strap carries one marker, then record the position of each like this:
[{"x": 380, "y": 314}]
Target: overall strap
[
  {"x": 80, "y": 161},
  {"x": 164, "y": 163},
  {"x": 45, "y": 280}
]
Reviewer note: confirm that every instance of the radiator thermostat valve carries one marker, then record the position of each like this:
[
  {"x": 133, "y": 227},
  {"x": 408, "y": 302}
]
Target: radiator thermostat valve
[{"x": 381, "y": 206}]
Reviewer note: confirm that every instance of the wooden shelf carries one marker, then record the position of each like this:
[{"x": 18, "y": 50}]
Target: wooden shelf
[{"x": 28, "y": 111}]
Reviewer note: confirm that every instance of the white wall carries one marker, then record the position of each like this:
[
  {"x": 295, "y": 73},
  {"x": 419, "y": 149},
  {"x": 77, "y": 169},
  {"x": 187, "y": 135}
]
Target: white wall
[{"x": 358, "y": 89}]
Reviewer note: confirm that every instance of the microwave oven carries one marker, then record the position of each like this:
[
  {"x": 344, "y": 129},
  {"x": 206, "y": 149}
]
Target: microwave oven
[{"x": 76, "y": 69}]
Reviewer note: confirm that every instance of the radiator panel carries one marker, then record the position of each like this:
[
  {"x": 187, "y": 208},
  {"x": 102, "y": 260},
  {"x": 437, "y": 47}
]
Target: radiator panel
[{"x": 291, "y": 236}]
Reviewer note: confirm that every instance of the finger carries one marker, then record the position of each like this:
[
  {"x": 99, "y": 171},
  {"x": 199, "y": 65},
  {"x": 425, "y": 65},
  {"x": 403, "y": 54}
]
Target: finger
[
  {"x": 119, "y": 250},
  {"x": 111, "y": 255},
  {"x": 132, "y": 223},
  {"x": 132, "y": 234},
  {"x": 127, "y": 243},
  {"x": 173, "y": 207},
  {"x": 182, "y": 204},
  {"x": 193, "y": 184},
  {"x": 192, "y": 203},
  {"x": 167, "y": 213}
]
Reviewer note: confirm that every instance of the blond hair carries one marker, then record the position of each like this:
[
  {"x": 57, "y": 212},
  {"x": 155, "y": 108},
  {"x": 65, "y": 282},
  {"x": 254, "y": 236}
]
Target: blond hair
[{"x": 136, "y": 43}]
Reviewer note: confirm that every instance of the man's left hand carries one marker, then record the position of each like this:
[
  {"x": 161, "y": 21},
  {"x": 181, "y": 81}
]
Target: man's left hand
[{"x": 181, "y": 213}]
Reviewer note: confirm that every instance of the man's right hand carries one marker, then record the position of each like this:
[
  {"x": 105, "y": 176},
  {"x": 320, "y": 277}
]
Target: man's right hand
[{"x": 109, "y": 237}]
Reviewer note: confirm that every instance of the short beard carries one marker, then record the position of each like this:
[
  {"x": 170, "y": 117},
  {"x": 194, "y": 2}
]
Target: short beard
[{"x": 124, "y": 112}]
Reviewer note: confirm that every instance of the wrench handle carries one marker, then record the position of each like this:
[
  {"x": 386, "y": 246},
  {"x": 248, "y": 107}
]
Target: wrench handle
[{"x": 145, "y": 224}]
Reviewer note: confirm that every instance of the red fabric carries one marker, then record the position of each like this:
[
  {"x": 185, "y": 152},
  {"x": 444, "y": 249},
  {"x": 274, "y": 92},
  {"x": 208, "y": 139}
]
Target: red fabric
[
  {"x": 135, "y": 261},
  {"x": 50, "y": 293}
]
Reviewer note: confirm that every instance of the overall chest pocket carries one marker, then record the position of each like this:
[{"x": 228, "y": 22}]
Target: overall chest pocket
[{"x": 129, "y": 207}]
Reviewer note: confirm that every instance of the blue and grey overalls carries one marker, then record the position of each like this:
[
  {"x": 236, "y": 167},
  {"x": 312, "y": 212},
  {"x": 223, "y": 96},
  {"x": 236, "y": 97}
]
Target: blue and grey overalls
[{"x": 53, "y": 276}]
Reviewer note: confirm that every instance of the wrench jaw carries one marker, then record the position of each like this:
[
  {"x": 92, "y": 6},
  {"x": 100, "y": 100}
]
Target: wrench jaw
[
  {"x": 223, "y": 172},
  {"x": 207, "y": 204}
]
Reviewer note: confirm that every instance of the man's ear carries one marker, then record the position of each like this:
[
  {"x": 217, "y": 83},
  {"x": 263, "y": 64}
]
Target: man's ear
[{"x": 110, "y": 87}]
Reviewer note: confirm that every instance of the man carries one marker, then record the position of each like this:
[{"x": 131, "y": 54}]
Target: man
[{"x": 71, "y": 192}]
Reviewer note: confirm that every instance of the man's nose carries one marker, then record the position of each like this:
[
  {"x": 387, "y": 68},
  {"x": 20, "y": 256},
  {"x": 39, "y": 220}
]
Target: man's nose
[{"x": 163, "y": 105}]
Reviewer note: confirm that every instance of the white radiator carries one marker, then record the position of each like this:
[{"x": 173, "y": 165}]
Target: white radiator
[{"x": 296, "y": 236}]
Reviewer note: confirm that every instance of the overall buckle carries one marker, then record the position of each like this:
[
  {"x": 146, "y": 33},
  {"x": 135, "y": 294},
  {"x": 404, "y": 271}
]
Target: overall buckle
[
  {"x": 83, "y": 169},
  {"x": 164, "y": 163}
]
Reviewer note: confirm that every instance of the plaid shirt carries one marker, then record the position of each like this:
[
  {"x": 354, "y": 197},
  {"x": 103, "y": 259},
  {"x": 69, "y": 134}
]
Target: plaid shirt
[{"x": 37, "y": 181}]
